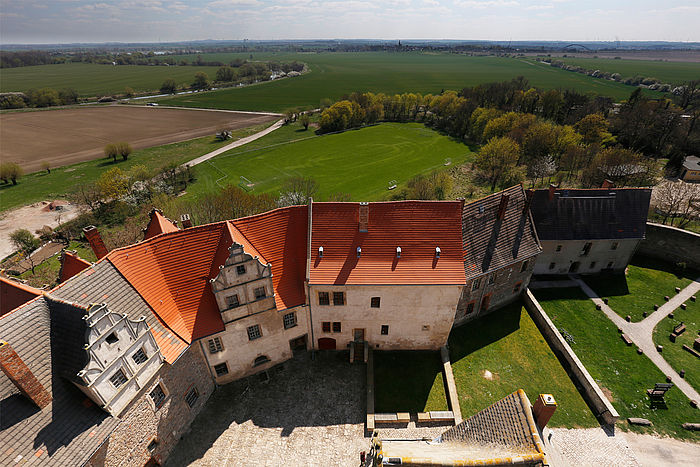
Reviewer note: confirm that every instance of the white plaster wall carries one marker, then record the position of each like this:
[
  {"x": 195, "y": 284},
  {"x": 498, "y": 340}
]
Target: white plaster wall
[
  {"x": 601, "y": 252},
  {"x": 405, "y": 309}
]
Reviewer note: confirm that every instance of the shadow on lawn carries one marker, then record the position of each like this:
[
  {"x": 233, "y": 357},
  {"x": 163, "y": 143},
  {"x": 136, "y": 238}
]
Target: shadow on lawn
[
  {"x": 403, "y": 380},
  {"x": 484, "y": 331}
]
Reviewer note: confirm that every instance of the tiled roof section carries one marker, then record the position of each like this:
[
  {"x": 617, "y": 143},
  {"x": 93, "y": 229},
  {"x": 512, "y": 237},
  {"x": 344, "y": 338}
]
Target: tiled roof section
[
  {"x": 14, "y": 294},
  {"x": 591, "y": 214},
  {"x": 491, "y": 243},
  {"x": 172, "y": 271},
  {"x": 418, "y": 227},
  {"x": 71, "y": 264},
  {"x": 158, "y": 224},
  {"x": 102, "y": 283},
  {"x": 67, "y": 431},
  {"x": 279, "y": 237}
]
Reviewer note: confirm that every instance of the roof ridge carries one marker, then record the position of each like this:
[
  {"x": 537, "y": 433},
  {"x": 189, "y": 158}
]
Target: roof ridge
[{"x": 259, "y": 255}]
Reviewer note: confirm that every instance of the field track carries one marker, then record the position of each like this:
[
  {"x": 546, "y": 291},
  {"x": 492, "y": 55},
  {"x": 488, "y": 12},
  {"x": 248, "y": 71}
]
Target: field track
[{"x": 63, "y": 137}]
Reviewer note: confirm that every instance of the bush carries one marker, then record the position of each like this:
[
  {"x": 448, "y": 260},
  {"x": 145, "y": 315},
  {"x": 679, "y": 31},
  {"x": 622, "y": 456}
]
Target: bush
[{"x": 169, "y": 86}]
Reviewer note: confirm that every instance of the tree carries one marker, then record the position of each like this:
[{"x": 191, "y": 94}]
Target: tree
[
  {"x": 10, "y": 171},
  {"x": 677, "y": 200},
  {"x": 593, "y": 128},
  {"x": 45, "y": 165},
  {"x": 169, "y": 86},
  {"x": 305, "y": 120},
  {"x": 111, "y": 151},
  {"x": 128, "y": 92},
  {"x": 124, "y": 150},
  {"x": 297, "y": 190},
  {"x": 497, "y": 158},
  {"x": 88, "y": 195},
  {"x": 25, "y": 243},
  {"x": 113, "y": 184},
  {"x": 225, "y": 74},
  {"x": 201, "y": 81},
  {"x": 544, "y": 166},
  {"x": 45, "y": 97},
  {"x": 68, "y": 96}
]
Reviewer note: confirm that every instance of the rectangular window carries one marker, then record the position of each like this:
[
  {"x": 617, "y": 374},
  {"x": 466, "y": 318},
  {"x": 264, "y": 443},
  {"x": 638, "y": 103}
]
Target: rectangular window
[
  {"x": 191, "y": 397},
  {"x": 551, "y": 266},
  {"x": 470, "y": 308},
  {"x": 152, "y": 445},
  {"x": 259, "y": 292},
  {"x": 326, "y": 326},
  {"x": 523, "y": 268},
  {"x": 139, "y": 357},
  {"x": 592, "y": 264},
  {"x": 323, "y": 298},
  {"x": 476, "y": 284},
  {"x": 215, "y": 345},
  {"x": 290, "y": 320},
  {"x": 118, "y": 378},
  {"x": 240, "y": 269},
  {"x": 516, "y": 289},
  {"x": 336, "y": 326},
  {"x": 586, "y": 249},
  {"x": 610, "y": 265},
  {"x": 157, "y": 396},
  {"x": 221, "y": 369},
  {"x": 112, "y": 338},
  {"x": 558, "y": 247},
  {"x": 375, "y": 302},
  {"x": 232, "y": 301},
  {"x": 338, "y": 298},
  {"x": 385, "y": 330},
  {"x": 254, "y": 332},
  {"x": 614, "y": 246},
  {"x": 492, "y": 279}
]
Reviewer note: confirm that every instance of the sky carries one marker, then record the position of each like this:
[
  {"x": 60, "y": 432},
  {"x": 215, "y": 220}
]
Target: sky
[{"x": 66, "y": 21}]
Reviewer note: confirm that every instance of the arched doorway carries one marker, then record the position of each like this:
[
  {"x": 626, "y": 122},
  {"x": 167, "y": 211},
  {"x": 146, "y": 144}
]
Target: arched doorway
[{"x": 326, "y": 343}]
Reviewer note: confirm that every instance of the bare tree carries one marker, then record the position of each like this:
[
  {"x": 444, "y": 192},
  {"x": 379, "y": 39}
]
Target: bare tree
[
  {"x": 677, "y": 200},
  {"x": 297, "y": 190}
]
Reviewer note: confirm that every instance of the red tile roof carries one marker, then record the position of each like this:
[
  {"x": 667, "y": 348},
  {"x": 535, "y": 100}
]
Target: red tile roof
[
  {"x": 416, "y": 226},
  {"x": 14, "y": 294},
  {"x": 158, "y": 224},
  {"x": 71, "y": 264},
  {"x": 279, "y": 237}
]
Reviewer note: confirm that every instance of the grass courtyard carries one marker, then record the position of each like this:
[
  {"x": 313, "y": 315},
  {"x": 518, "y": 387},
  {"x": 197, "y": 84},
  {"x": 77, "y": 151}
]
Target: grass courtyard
[
  {"x": 509, "y": 346},
  {"x": 673, "y": 352},
  {"x": 645, "y": 284},
  {"x": 624, "y": 376}
]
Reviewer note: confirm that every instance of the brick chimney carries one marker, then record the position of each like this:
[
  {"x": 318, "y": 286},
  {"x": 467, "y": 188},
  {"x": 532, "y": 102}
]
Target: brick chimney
[
  {"x": 502, "y": 207},
  {"x": 364, "y": 217},
  {"x": 528, "y": 199},
  {"x": 22, "y": 377},
  {"x": 95, "y": 239},
  {"x": 608, "y": 184},
  {"x": 185, "y": 220},
  {"x": 552, "y": 190},
  {"x": 544, "y": 408}
]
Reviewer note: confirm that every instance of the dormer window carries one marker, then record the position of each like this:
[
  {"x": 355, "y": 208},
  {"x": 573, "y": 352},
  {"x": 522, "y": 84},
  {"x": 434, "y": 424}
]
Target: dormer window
[
  {"x": 118, "y": 378},
  {"x": 359, "y": 251},
  {"x": 437, "y": 251},
  {"x": 112, "y": 338},
  {"x": 240, "y": 269},
  {"x": 320, "y": 252},
  {"x": 398, "y": 252},
  {"x": 139, "y": 356}
]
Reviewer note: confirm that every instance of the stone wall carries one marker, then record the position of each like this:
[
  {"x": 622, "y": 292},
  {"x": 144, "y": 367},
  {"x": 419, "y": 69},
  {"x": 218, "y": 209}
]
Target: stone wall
[
  {"x": 671, "y": 244},
  {"x": 603, "y": 255},
  {"x": 601, "y": 406}
]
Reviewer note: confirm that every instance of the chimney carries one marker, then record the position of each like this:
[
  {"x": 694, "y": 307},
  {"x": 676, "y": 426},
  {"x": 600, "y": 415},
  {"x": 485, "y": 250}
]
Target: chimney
[
  {"x": 185, "y": 220},
  {"x": 364, "y": 217},
  {"x": 608, "y": 184},
  {"x": 502, "y": 207},
  {"x": 95, "y": 239},
  {"x": 544, "y": 408},
  {"x": 552, "y": 190},
  {"x": 528, "y": 199},
  {"x": 22, "y": 377}
]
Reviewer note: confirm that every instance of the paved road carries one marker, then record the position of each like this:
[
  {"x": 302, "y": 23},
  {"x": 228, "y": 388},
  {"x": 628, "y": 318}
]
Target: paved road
[{"x": 641, "y": 333}]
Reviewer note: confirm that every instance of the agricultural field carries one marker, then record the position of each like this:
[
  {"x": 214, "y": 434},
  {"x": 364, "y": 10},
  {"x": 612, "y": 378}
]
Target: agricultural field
[
  {"x": 91, "y": 79},
  {"x": 66, "y": 136},
  {"x": 360, "y": 163},
  {"x": 333, "y": 75},
  {"x": 667, "y": 72}
]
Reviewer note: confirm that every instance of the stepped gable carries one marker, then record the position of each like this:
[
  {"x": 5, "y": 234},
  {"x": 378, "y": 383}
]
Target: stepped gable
[
  {"x": 158, "y": 224},
  {"x": 71, "y": 264},
  {"x": 595, "y": 214},
  {"x": 14, "y": 294},
  {"x": 491, "y": 241},
  {"x": 417, "y": 227}
]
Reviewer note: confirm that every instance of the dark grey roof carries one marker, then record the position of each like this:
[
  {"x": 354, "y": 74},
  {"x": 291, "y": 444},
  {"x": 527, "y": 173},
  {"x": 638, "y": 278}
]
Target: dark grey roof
[
  {"x": 591, "y": 214},
  {"x": 692, "y": 163},
  {"x": 71, "y": 428},
  {"x": 490, "y": 242}
]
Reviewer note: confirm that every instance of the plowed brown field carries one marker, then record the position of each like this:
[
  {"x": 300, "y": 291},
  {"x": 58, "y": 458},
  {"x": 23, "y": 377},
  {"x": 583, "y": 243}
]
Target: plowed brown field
[{"x": 66, "y": 136}]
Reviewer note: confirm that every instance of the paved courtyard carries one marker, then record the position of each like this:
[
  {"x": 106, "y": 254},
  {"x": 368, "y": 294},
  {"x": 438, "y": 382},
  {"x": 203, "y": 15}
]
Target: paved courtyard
[{"x": 309, "y": 413}]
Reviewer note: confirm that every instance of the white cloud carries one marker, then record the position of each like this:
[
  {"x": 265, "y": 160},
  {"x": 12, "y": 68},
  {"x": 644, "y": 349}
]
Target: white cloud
[{"x": 481, "y": 4}]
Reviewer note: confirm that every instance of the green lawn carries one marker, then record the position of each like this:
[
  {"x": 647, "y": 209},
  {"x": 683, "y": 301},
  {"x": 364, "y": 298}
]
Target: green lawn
[
  {"x": 40, "y": 186},
  {"x": 358, "y": 162},
  {"x": 667, "y": 72},
  {"x": 408, "y": 382},
  {"x": 508, "y": 344},
  {"x": 646, "y": 283},
  {"x": 97, "y": 80},
  {"x": 336, "y": 74},
  {"x": 622, "y": 374},
  {"x": 673, "y": 353}
]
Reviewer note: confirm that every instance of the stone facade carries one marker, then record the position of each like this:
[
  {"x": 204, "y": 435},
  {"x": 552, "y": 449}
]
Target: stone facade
[
  {"x": 671, "y": 244},
  {"x": 585, "y": 256}
]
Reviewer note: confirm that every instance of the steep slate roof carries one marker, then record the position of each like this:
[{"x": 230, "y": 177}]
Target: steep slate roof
[
  {"x": 591, "y": 214},
  {"x": 158, "y": 224},
  {"x": 71, "y": 428},
  {"x": 491, "y": 243},
  {"x": 415, "y": 226},
  {"x": 14, "y": 294},
  {"x": 71, "y": 264}
]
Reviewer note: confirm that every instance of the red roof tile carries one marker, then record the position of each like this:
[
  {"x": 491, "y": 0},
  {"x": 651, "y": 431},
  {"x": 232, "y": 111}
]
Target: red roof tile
[
  {"x": 71, "y": 264},
  {"x": 158, "y": 224},
  {"x": 279, "y": 237},
  {"x": 14, "y": 294},
  {"x": 416, "y": 226}
]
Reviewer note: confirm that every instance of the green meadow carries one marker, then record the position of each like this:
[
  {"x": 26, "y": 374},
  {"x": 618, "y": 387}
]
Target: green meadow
[{"x": 668, "y": 72}]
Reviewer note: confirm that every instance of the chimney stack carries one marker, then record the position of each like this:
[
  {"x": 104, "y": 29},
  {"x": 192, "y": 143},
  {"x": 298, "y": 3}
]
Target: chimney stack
[
  {"x": 502, "y": 207},
  {"x": 95, "y": 239},
  {"x": 544, "y": 408},
  {"x": 528, "y": 199},
  {"x": 552, "y": 190},
  {"x": 364, "y": 217},
  {"x": 608, "y": 184},
  {"x": 22, "y": 377},
  {"x": 185, "y": 220}
]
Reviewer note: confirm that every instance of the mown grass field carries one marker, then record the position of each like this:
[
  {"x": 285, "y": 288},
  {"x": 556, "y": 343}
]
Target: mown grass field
[
  {"x": 508, "y": 345},
  {"x": 673, "y": 352},
  {"x": 360, "y": 163},
  {"x": 644, "y": 285},
  {"x": 97, "y": 80},
  {"x": 668, "y": 72},
  {"x": 336, "y": 74},
  {"x": 622, "y": 374}
]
